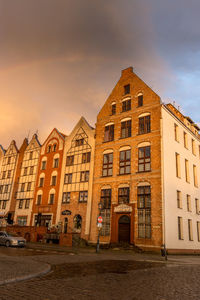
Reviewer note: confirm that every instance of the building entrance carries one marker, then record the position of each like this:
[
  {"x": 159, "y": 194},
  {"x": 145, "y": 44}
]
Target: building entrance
[{"x": 124, "y": 229}]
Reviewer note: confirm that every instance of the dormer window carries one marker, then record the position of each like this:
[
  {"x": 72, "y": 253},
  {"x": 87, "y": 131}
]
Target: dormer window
[
  {"x": 79, "y": 142},
  {"x": 49, "y": 149},
  {"x": 127, "y": 89},
  {"x": 113, "y": 107},
  {"x": 54, "y": 147}
]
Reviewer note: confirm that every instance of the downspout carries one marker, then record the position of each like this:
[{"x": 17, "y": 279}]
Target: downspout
[{"x": 162, "y": 181}]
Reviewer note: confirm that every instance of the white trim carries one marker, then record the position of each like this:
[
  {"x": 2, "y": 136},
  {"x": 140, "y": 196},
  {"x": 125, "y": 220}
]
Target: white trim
[
  {"x": 126, "y": 119},
  {"x": 114, "y": 102},
  {"x": 143, "y": 144},
  {"x": 144, "y": 115},
  {"x": 122, "y": 185},
  {"x": 108, "y": 151},
  {"x": 126, "y": 99},
  {"x": 144, "y": 183},
  {"x": 106, "y": 187},
  {"x": 108, "y": 124},
  {"x": 123, "y": 148}
]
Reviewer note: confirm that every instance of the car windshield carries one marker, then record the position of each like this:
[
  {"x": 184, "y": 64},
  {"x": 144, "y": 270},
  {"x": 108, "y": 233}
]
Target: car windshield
[{"x": 12, "y": 234}]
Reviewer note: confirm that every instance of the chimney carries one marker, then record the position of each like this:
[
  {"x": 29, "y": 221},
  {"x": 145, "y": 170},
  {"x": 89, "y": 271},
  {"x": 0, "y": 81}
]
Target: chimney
[{"x": 127, "y": 71}]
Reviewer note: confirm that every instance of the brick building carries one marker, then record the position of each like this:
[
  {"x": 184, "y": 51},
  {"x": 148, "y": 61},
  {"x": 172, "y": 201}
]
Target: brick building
[
  {"x": 127, "y": 165},
  {"x": 45, "y": 203},
  {"x": 74, "y": 211}
]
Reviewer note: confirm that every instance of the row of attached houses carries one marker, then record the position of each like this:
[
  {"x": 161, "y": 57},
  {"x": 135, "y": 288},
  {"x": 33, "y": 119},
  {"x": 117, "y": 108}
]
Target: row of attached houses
[{"x": 139, "y": 168}]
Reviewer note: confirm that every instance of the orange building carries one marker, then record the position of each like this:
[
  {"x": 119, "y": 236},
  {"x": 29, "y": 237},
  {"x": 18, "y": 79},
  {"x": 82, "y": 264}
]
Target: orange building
[
  {"x": 127, "y": 165},
  {"x": 48, "y": 180}
]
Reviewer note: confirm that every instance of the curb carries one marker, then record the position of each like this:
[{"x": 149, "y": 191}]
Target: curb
[{"x": 26, "y": 277}]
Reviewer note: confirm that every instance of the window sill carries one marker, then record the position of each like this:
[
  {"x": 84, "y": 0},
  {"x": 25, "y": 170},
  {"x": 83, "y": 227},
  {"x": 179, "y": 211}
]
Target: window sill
[
  {"x": 126, "y": 137},
  {"x": 106, "y": 176},
  {"x": 65, "y": 203},
  {"x": 143, "y": 133},
  {"x": 138, "y": 172},
  {"x": 124, "y": 174},
  {"x": 108, "y": 141}
]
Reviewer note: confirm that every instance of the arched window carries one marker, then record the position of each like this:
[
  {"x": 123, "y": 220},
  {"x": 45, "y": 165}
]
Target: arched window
[
  {"x": 44, "y": 163},
  {"x": 41, "y": 180},
  {"x": 77, "y": 222}
]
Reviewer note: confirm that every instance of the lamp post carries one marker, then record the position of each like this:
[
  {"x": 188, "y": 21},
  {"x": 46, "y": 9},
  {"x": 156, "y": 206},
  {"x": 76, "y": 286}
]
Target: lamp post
[{"x": 99, "y": 224}]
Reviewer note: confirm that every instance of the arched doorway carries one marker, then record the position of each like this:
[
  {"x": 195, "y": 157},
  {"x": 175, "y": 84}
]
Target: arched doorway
[{"x": 124, "y": 229}]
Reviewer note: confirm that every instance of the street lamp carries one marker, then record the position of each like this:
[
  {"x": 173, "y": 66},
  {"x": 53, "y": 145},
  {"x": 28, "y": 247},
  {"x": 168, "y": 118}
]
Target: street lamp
[{"x": 99, "y": 224}]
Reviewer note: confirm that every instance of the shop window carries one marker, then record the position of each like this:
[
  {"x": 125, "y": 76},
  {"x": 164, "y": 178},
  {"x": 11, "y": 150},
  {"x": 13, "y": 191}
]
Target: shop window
[{"x": 144, "y": 211}]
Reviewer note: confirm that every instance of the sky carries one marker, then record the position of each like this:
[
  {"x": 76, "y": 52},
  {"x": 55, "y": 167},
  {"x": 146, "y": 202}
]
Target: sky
[{"x": 60, "y": 59}]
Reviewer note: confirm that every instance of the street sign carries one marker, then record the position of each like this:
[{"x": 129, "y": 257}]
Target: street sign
[{"x": 100, "y": 219}]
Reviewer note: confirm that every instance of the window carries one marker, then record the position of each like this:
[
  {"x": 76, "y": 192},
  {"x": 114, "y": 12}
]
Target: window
[
  {"x": 31, "y": 155},
  {"x": 123, "y": 195},
  {"x": 41, "y": 182},
  {"x": 9, "y": 160},
  {"x": 105, "y": 231},
  {"x": 178, "y": 168},
  {"x": 66, "y": 197},
  {"x": 83, "y": 196},
  {"x": 195, "y": 176},
  {"x": 70, "y": 160},
  {"x": 22, "y": 220},
  {"x": 21, "y": 204},
  {"x": 189, "y": 203},
  {"x": 179, "y": 199},
  {"x": 180, "y": 228},
  {"x": 4, "y": 205},
  {"x": 84, "y": 176},
  {"x": 86, "y": 157},
  {"x": 144, "y": 159},
  {"x": 126, "y": 89},
  {"x": 49, "y": 149},
  {"x": 27, "y": 203},
  {"x": 144, "y": 124},
  {"x": 51, "y": 198},
  {"x": 31, "y": 170},
  {"x": 43, "y": 164},
  {"x": 144, "y": 211},
  {"x": 198, "y": 231},
  {"x": 4, "y": 175},
  {"x": 176, "y": 135},
  {"x": 113, "y": 109},
  {"x": 197, "y": 206},
  {"x": 109, "y": 133},
  {"x": 6, "y": 188},
  {"x": 54, "y": 147},
  {"x": 107, "y": 164},
  {"x": 56, "y": 162},
  {"x": 126, "y": 129},
  {"x": 106, "y": 198},
  {"x": 125, "y": 162},
  {"x": 193, "y": 147},
  {"x": 187, "y": 176},
  {"x": 126, "y": 105},
  {"x": 185, "y": 137},
  {"x": 9, "y": 174},
  {"x": 53, "y": 180},
  {"x": 140, "y": 100},
  {"x": 22, "y": 187},
  {"x": 1, "y": 189},
  {"x": 25, "y": 171},
  {"x": 79, "y": 142},
  {"x": 190, "y": 233},
  {"x": 29, "y": 186},
  {"x": 39, "y": 199},
  {"x": 68, "y": 178}
]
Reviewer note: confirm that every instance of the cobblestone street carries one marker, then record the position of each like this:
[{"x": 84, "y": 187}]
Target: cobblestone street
[{"x": 108, "y": 275}]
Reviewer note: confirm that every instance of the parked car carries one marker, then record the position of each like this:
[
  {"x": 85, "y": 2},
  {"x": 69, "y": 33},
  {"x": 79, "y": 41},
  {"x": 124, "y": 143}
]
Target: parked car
[{"x": 11, "y": 239}]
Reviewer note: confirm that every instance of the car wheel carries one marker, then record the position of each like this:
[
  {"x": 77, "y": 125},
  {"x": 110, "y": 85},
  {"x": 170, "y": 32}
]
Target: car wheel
[{"x": 7, "y": 244}]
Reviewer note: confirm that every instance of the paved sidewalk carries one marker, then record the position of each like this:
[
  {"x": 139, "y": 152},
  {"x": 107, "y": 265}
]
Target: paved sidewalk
[{"x": 20, "y": 268}]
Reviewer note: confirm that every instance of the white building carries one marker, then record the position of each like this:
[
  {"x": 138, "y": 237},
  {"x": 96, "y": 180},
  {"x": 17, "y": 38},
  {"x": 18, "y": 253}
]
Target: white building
[
  {"x": 181, "y": 181},
  {"x": 75, "y": 196},
  {"x": 26, "y": 182}
]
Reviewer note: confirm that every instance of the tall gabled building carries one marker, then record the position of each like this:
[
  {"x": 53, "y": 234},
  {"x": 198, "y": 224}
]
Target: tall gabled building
[
  {"x": 26, "y": 182},
  {"x": 75, "y": 199},
  {"x": 45, "y": 204},
  {"x": 127, "y": 165},
  {"x": 7, "y": 177}
]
